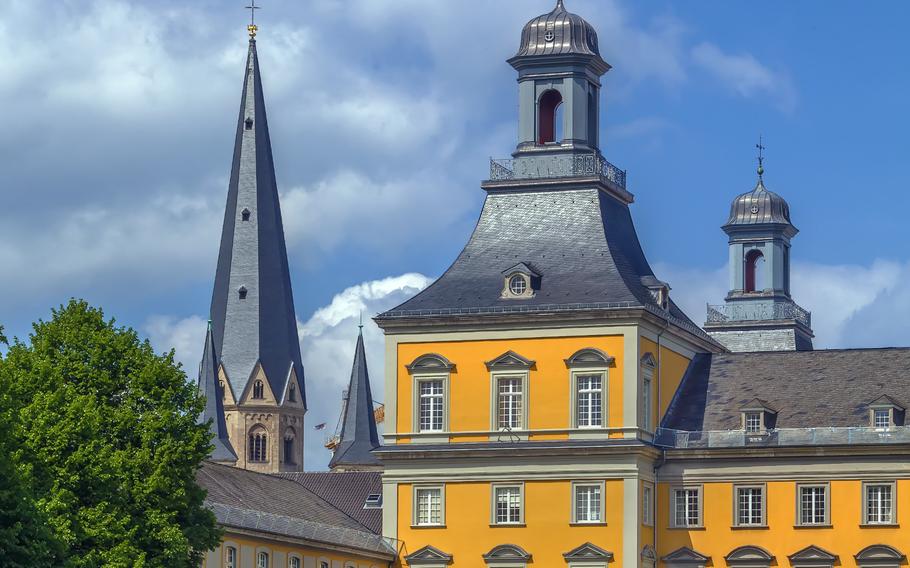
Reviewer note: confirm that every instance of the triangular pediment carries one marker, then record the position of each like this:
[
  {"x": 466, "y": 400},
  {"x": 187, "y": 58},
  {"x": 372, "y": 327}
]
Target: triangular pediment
[
  {"x": 648, "y": 360},
  {"x": 879, "y": 554},
  {"x": 686, "y": 555},
  {"x": 249, "y": 394},
  {"x": 293, "y": 392},
  {"x": 430, "y": 363},
  {"x": 886, "y": 401},
  {"x": 428, "y": 555},
  {"x": 507, "y": 552},
  {"x": 227, "y": 389},
  {"x": 758, "y": 405},
  {"x": 589, "y": 357},
  {"x": 588, "y": 551},
  {"x": 750, "y": 555},
  {"x": 509, "y": 360},
  {"x": 813, "y": 556}
]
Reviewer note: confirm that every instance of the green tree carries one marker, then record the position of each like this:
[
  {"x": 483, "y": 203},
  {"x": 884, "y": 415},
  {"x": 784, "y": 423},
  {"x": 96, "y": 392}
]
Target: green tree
[{"x": 105, "y": 437}]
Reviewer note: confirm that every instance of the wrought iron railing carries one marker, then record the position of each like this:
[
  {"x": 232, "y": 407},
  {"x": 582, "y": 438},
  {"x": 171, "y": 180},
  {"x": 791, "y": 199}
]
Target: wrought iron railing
[
  {"x": 734, "y": 312},
  {"x": 558, "y": 166},
  {"x": 844, "y": 436}
]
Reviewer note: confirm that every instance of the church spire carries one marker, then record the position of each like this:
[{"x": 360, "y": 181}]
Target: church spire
[
  {"x": 209, "y": 387},
  {"x": 253, "y": 319},
  {"x": 358, "y": 426}
]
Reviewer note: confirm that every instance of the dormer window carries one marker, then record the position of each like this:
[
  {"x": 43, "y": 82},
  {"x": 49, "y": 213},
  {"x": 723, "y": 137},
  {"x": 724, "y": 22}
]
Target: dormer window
[
  {"x": 753, "y": 422},
  {"x": 758, "y": 417},
  {"x": 520, "y": 282},
  {"x": 659, "y": 290},
  {"x": 885, "y": 413},
  {"x": 881, "y": 418}
]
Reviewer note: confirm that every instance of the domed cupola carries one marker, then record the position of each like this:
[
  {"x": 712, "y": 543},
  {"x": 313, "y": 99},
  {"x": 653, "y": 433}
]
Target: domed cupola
[
  {"x": 559, "y": 32},
  {"x": 759, "y": 207}
]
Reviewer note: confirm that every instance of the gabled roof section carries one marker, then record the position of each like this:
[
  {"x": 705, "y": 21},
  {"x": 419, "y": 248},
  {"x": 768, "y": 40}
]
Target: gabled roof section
[
  {"x": 757, "y": 404},
  {"x": 588, "y": 551},
  {"x": 812, "y": 556},
  {"x": 253, "y": 318},
  {"x": 358, "y": 427},
  {"x": 686, "y": 555},
  {"x": 886, "y": 401},
  {"x": 208, "y": 384},
  {"x": 509, "y": 360},
  {"x": 507, "y": 552},
  {"x": 428, "y": 555}
]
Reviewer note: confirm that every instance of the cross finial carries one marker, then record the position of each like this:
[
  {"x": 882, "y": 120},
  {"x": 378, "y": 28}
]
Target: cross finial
[
  {"x": 761, "y": 157},
  {"x": 360, "y": 325},
  {"x": 252, "y": 28}
]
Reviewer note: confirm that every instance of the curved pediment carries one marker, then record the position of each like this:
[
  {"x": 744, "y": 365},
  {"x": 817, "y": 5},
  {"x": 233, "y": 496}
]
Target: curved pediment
[
  {"x": 430, "y": 363},
  {"x": 588, "y": 551},
  {"x": 509, "y": 360},
  {"x": 428, "y": 555},
  {"x": 589, "y": 357},
  {"x": 749, "y": 556},
  {"x": 505, "y": 552},
  {"x": 879, "y": 555}
]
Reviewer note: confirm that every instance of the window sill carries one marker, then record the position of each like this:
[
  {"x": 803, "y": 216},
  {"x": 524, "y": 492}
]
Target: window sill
[
  {"x": 428, "y": 526},
  {"x": 827, "y": 526},
  {"x": 688, "y": 528},
  {"x": 879, "y": 525},
  {"x": 589, "y": 524},
  {"x": 506, "y": 525},
  {"x": 749, "y": 527}
]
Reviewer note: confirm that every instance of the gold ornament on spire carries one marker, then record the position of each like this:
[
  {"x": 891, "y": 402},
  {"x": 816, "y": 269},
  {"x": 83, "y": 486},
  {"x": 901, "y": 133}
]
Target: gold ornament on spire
[{"x": 252, "y": 28}]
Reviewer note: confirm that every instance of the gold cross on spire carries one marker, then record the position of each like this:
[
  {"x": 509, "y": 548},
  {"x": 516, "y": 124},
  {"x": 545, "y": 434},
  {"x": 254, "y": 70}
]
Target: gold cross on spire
[
  {"x": 252, "y": 28},
  {"x": 761, "y": 157}
]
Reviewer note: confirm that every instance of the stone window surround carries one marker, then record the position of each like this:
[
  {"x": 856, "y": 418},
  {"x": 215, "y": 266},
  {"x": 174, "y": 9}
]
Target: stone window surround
[
  {"x": 521, "y": 501},
  {"x": 736, "y": 504},
  {"x": 799, "y": 506},
  {"x": 701, "y": 506},
  {"x": 573, "y": 513},
  {"x": 864, "y": 511},
  {"x": 415, "y": 522}
]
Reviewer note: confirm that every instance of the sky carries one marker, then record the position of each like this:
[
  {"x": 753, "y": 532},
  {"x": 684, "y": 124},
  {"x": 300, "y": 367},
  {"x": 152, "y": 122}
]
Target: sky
[{"x": 119, "y": 120}]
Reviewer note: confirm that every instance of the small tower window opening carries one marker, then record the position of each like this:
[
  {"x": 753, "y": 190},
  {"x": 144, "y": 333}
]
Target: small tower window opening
[
  {"x": 245, "y": 214},
  {"x": 258, "y": 390},
  {"x": 242, "y": 292},
  {"x": 289, "y": 446},
  {"x": 592, "y": 117},
  {"x": 248, "y": 123},
  {"x": 549, "y": 117},
  {"x": 755, "y": 271},
  {"x": 292, "y": 393},
  {"x": 258, "y": 445}
]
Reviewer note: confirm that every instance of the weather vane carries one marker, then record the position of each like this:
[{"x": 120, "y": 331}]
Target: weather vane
[
  {"x": 761, "y": 157},
  {"x": 361, "y": 320},
  {"x": 252, "y": 28}
]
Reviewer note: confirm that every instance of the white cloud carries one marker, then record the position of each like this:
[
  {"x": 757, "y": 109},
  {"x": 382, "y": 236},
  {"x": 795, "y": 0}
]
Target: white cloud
[
  {"x": 745, "y": 75},
  {"x": 185, "y": 336}
]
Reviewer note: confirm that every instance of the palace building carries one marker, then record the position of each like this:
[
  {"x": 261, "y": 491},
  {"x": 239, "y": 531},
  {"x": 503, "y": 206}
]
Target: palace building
[{"x": 546, "y": 401}]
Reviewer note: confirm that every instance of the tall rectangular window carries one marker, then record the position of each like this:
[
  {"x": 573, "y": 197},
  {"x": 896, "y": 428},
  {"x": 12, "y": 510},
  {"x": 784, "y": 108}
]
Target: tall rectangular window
[
  {"x": 750, "y": 506},
  {"x": 646, "y": 403},
  {"x": 687, "y": 507},
  {"x": 589, "y": 401},
  {"x": 588, "y": 503},
  {"x": 428, "y": 510},
  {"x": 510, "y": 403},
  {"x": 813, "y": 504},
  {"x": 431, "y": 405},
  {"x": 647, "y": 504},
  {"x": 879, "y": 503},
  {"x": 293, "y": 562},
  {"x": 230, "y": 557},
  {"x": 507, "y": 505}
]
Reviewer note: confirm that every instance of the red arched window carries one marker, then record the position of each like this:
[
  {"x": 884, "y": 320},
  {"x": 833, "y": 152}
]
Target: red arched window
[
  {"x": 754, "y": 262},
  {"x": 547, "y": 111}
]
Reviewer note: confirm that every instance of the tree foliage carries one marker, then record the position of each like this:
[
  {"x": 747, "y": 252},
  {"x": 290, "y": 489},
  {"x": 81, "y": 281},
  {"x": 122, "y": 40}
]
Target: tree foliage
[{"x": 106, "y": 442}]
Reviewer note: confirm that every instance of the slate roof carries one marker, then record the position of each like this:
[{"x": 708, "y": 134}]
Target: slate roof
[
  {"x": 358, "y": 427},
  {"x": 268, "y": 503},
  {"x": 214, "y": 405},
  {"x": 262, "y": 327},
  {"x": 824, "y": 388},
  {"x": 768, "y": 207},
  {"x": 582, "y": 242},
  {"x": 347, "y": 491}
]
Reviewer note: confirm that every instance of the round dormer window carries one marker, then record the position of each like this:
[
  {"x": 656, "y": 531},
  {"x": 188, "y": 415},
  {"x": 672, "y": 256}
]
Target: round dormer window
[{"x": 518, "y": 285}]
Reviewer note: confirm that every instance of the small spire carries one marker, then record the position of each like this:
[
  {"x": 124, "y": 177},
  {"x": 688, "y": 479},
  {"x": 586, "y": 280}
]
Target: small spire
[
  {"x": 360, "y": 325},
  {"x": 761, "y": 158},
  {"x": 252, "y": 28}
]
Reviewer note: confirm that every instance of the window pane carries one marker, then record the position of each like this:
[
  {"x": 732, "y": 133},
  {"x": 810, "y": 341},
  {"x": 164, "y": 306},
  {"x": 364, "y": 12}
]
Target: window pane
[
  {"x": 429, "y": 506},
  {"x": 753, "y": 422},
  {"x": 646, "y": 505},
  {"x": 510, "y": 405},
  {"x": 587, "y": 503},
  {"x": 879, "y": 504},
  {"x": 881, "y": 418},
  {"x": 749, "y": 503},
  {"x": 812, "y": 506},
  {"x": 508, "y": 504},
  {"x": 589, "y": 400},
  {"x": 431, "y": 405},
  {"x": 686, "y": 507}
]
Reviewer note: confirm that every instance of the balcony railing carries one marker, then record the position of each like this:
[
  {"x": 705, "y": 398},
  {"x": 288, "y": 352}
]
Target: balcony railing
[
  {"x": 734, "y": 312},
  {"x": 681, "y": 439},
  {"x": 559, "y": 166}
]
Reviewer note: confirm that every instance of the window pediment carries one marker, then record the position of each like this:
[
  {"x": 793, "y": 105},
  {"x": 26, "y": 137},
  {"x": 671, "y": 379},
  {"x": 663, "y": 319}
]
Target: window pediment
[
  {"x": 509, "y": 360},
  {"x": 879, "y": 555},
  {"x": 749, "y": 556},
  {"x": 589, "y": 357},
  {"x": 429, "y": 363},
  {"x": 506, "y": 553},
  {"x": 886, "y": 401},
  {"x": 428, "y": 556},
  {"x": 588, "y": 551},
  {"x": 686, "y": 555},
  {"x": 812, "y": 556}
]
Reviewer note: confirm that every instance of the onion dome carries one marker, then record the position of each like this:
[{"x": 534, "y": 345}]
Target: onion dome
[
  {"x": 759, "y": 207},
  {"x": 559, "y": 33}
]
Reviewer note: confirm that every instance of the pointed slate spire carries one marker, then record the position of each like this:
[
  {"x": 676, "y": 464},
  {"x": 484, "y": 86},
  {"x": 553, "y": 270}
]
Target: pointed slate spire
[
  {"x": 253, "y": 318},
  {"x": 358, "y": 426},
  {"x": 214, "y": 407}
]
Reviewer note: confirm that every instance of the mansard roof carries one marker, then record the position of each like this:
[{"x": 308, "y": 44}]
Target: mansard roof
[
  {"x": 258, "y": 325},
  {"x": 208, "y": 384},
  {"x": 346, "y": 490},
  {"x": 358, "y": 426},
  {"x": 716, "y": 387}
]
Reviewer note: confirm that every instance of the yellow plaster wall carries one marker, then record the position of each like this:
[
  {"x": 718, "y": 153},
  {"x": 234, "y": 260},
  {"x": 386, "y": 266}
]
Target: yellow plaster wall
[
  {"x": 672, "y": 368},
  {"x": 547, "y": 533},
  {"x": 781, "y": 538},
  {"x": 469, "y": 387},
  {"x": 247, "y": 548}
]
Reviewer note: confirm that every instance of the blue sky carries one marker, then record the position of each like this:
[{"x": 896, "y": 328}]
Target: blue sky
[{"x": 119, "y": 120}]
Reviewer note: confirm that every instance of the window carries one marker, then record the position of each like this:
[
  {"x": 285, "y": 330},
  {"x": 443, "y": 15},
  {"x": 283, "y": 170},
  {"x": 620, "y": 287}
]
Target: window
[
  {"x": 509, "y": 403},
  {"x": 753, "y": 422},
  {"x": 230, "y": 557},
  {"x": 881, "y": 418},
  {"x": 241, "y": 293},
  {"x": 258, "y": 445},
  {"x": 750, "y": 506},
  {"x": 292, "y": 393},
  {"x": 588, "y": 503},
  {"x": 686, "y": 507},
  {"x": 518, "y": 285},
  {"x": 589, "y": 412},
  {"x": 248, "y": 123},
  {"x": 647, "y": 504},
  {"x": 323, "y": 565},
  {"x": 547, "y": 117},
  {"x": 289, "y": 446},
  {"x": 813, "y": 505},
  {"x": 431, "y": 405},
  {"x": 245, "y": 215},
  {"x": 507, "y": 508},
  {"x": 428, "y": 509},
  {"x": 293, "y": 562},
  {"x": 646, "y": 403},
  {"x": 258, "y": 390},
  {"x": 262, "y": 560},
  {"x": 879, "y": 505},
  {"x": 755, "y": 263},
  {"x": 373, "y": 501}
]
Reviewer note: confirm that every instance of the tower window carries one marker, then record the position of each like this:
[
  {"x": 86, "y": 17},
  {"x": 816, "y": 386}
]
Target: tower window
[
  {"x": 755, "y": 262},
  {"x": 248, "y": 123},
  {"x": 258, "y": 390},
  {"x": 292, "y": 394},
  {"x": 547, "y": 120},
  {"x": 242, "y": 292},
  {"x": 258, "y": 450},
  {"x": 289, "y": 446},
  {"x": 245, "y": 215}
]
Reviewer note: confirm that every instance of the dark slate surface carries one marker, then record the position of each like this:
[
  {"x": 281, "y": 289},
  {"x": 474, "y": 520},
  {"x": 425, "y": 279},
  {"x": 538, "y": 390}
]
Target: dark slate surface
[
  {"x": 347, "y": 491},
  {"x": 263, "y": 327},
  {"x": 214, "y": 406},
  {"x": 581, "y": 241},
  {"x": 358, "y": 428},
  {"x": 825, "y": 388}
]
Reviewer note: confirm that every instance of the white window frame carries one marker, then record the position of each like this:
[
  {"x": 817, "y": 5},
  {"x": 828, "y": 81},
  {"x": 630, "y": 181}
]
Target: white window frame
[
  {"x": 799, "y": 504},
  {"x": 292, "y": 557},
  {"x": 495, "y": 378},
  {"x": 699, "y": 492},
  {"x": 260, "y": 554},
  {"x": 231, "y": 562},
  {"x": 601, "y": 509},
  {"x": 737, "y": 505},
  {"x": 760, "y": 427},
  {"x": 415, "y": 517},
  {"x": 417, "y": 381},
  {"x": 647, "y": 504},
  {"x": 494, "y": 488},
  {"x": 873, "y": 413},
  {"x": 604, "y": 398},
  {"x": 865, "y": 504}
]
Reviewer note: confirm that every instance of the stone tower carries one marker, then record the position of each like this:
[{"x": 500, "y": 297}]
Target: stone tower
[
  {"x": 758, "y": 313},
  {"x": 254, "y": 328}
]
